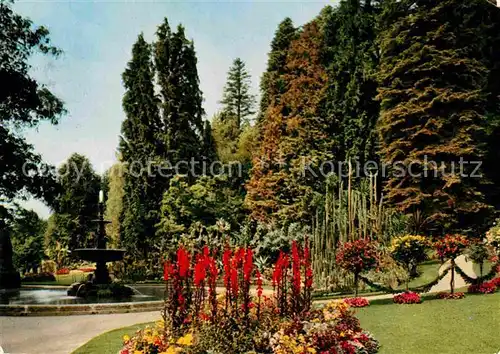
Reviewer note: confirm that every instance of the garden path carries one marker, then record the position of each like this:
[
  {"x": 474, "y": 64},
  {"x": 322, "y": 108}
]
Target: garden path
[{"x": 61, "y": 334}]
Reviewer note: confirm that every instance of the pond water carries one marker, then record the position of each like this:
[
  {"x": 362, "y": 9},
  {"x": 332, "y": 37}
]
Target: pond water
[{"x": 59, "y": 297}]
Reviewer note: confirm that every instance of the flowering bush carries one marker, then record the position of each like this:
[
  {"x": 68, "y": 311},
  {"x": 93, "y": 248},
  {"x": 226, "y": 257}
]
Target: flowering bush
[
  {"x": 451, "y": 246},
  {"x": 62, "y": 271},
  {"x": 451, "y": 296},
  {"x": 408, "y": 251},
  {"x": 484, "y": 288},
  {"x": 408, "y": 297},
  {"x": 356, "y": 257},
  {"x": 197, "y": 320},
  {"x": 357, "y": 301}
]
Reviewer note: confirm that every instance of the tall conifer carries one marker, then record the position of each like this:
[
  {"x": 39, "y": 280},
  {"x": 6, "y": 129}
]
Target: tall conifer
[
  {"x": 140, "y": 144},
  {"x": 433, "y": 109}
]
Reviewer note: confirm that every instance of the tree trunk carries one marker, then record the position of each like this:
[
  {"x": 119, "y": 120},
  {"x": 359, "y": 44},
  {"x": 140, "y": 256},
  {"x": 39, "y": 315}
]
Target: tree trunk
[
  {"x": 356, "y": 276},
  {"x": 452, "y": 281}
]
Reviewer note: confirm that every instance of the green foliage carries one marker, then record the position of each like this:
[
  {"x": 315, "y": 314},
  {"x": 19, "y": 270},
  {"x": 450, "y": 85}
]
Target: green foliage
[
  {"x": 351, "y": 55},
  {"x": 237, "y": 101},
  {"x": 273, "y": 84},
  {"x": 431, "y": 84},
  {"x": 76, "y": 204},
  {"x": 181, "y": 99},
  {"x": 24, "y": 103},
  {"x": 196, "y": 209},
  {"x": 27, "y": 237},
  {"x": 140, "y": 146}
]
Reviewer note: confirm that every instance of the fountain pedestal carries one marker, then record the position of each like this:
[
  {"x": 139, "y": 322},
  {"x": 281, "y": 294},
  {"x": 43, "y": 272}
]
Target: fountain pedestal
[{"x": 100, "y": 256}]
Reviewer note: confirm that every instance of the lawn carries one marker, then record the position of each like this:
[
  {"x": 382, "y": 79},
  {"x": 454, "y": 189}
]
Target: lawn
[
  {"x": 62, "y": 279},
  {"x": 109, "y": 342},
  {"x": 469, "y": 325},
  {"x": 464, "y": 326}
]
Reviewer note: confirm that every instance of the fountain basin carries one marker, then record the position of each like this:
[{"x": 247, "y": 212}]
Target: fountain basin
[
  {"x": 99, "y": 255},
  {"x": 53, "y": 301}
]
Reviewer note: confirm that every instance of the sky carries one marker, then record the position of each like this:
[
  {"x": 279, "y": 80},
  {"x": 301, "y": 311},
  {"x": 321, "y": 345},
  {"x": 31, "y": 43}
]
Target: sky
[{"x": 96, "y": 38}]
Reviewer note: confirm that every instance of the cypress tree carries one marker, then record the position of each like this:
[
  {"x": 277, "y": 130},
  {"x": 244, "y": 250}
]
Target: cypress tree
[
  {"x": 140, "y": 144},
  {"x": 209, "y": 150},
  {"x": 352, "y": 60},
  {"x": 433, "y": 109},
  {"x": 272, "y": 83},
  {"x": 181, "y": 106},
  {"x": 237, "y": 100},
  {"x": 295, "y": 137}
]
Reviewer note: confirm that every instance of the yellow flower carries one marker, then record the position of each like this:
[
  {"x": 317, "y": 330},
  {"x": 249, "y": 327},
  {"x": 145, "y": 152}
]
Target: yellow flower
[
  {"x": 186, "y": 340},
  {"x": 138, "y": 352},
  {"x": 126, "y": 338}
]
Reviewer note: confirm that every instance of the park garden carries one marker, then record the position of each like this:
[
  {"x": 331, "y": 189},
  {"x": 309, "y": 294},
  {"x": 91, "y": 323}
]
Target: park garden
[{"x": 352, "y": 209}]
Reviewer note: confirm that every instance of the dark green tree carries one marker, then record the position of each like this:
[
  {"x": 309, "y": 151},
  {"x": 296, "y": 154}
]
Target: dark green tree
[
  {"x": 24, "y": 103},
  {"x": 209, "y": 149},
  {"x": 28, "y": 239},
  {"x": 77, "y": 202},
  {"x": 181, "y": 98},
  {"x": 272, "y": 83},
  {"x": 351, "y": 55},
  {"x": 141, "y": 147},
  {"x": 237, "y": 100},
  {"x": 432, "y": 82}
]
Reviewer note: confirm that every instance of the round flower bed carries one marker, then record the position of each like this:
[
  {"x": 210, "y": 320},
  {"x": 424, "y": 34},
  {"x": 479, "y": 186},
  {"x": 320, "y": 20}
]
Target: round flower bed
[
  {"x": 408, "y": 297},
  {"x": 452, "y": 296},
  {"x": 357, "y": 301},
  {"x": 484, "y": 288}
]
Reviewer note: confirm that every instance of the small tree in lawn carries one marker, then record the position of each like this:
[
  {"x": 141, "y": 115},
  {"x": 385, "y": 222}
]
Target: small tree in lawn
[
  {"x": 450, "y": 247},
  {"x": 478, "y": 253},
  {"x": 357, "y": 257},
  {"x": 408, "y": 251}
]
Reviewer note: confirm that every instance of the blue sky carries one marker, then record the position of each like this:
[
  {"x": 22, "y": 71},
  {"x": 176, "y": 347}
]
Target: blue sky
[{"x": 97, "y": 37}]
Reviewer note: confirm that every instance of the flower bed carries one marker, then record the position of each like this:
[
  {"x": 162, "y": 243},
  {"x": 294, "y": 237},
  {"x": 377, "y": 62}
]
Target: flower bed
[
  {"x": 452, "y": 296},
  {"x": 62, "y": 271},
  {"x": 483, "y": 288},
  {"x": 330, "y": 329},
  {"x": 357, "y": 301},
  {"x": 87, "y": 270},
  {"x": 408, "y": 297},
  {"x": 196, "y": 319}
]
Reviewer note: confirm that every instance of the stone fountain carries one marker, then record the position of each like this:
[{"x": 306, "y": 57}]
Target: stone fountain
[{"x": 100, "y": 255}]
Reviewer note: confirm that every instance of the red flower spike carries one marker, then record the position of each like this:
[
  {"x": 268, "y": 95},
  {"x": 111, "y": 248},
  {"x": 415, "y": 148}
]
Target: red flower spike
[
  {"x": 183, "y": 262},
  {"x": 248, "y": 266}
]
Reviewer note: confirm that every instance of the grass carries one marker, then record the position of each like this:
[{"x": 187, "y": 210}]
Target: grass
[
  {"x": 428, "y": 271},
  {"x": 464, "y": 326},
  {"x": 109, "y": 342},
  {"x": 62, "y": 279},
  {"x": 468, "y": 325}
]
